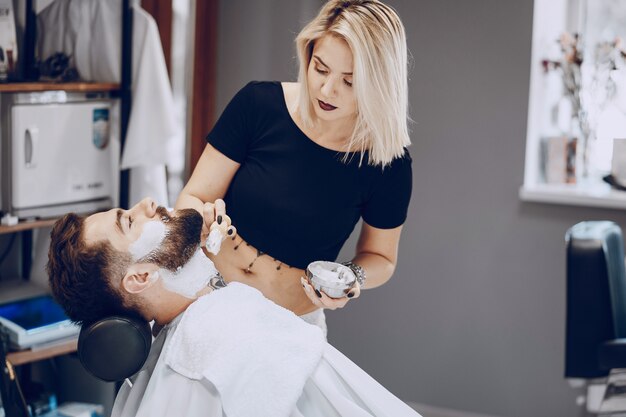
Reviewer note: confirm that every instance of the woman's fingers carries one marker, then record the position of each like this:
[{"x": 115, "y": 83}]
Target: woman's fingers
[
  {"x": 223, "y": 223},
  {"x": 226, "y": 222},
  {"x": 355, "y": 291},
  {"x": 333, "y": 303},
  {"x": 320, "y": 299},
  {"x": 215, "y": 217},
  {"x": 309, "y": 291},
  {"x": 220, "y": 210},
  {"x": 208, "y": 214}
]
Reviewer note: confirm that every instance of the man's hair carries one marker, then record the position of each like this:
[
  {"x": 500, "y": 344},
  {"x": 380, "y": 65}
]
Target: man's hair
[{"x": 85, "y": 279}]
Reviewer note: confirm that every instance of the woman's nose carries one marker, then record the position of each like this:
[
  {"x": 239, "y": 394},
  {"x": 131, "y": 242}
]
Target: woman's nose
[{"x": 328, "y": 88}]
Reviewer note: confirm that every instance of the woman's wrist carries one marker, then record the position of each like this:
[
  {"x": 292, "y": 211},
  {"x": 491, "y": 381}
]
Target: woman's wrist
[{"x": 358, "y": 272}]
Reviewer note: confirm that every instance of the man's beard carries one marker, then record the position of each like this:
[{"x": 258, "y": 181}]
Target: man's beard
[{"x": 181, "y": 241}]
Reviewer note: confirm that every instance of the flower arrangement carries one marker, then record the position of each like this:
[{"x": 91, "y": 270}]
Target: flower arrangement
[
  {"x": 587, "y": 99},
  {"x": 609, "y": 57}
]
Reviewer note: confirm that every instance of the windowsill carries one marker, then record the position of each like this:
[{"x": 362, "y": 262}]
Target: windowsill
[{"x": 593, "y": 195}]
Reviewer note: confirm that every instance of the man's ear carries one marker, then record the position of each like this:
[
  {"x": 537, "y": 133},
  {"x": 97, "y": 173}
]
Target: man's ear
[{"x": 139, "y": 277}]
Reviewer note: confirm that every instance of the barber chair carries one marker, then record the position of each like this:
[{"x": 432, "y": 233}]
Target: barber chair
[
  {"x": 595, "y": 340},
  {"x": 114, "y": 348}
]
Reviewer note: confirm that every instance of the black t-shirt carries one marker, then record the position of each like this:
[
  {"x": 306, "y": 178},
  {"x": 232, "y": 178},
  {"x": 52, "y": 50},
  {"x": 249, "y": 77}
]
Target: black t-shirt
[{"x": 292, "y": 198}]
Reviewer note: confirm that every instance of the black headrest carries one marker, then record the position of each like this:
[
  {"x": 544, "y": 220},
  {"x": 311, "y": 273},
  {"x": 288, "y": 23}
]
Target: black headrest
[{"x": 114, "y": 348}]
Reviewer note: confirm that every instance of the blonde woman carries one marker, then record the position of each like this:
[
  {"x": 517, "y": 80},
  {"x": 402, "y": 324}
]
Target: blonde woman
[{"x": 299, "y": 163}]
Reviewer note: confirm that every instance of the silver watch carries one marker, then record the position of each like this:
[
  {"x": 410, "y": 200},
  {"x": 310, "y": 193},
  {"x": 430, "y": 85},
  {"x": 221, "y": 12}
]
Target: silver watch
[{"x": 358, "y": 271}]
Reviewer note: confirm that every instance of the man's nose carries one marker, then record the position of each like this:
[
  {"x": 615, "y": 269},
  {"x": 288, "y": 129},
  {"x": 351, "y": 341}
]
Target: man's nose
[{"x": 148, "y": 207}]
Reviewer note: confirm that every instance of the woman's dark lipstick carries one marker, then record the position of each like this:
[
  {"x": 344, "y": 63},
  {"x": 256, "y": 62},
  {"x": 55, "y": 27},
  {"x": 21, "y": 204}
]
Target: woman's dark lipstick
[{"x": 325, "y": 106}]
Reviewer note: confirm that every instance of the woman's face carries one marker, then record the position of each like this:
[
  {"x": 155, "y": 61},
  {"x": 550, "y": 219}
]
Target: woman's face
[{"x": 330, "y": 79}]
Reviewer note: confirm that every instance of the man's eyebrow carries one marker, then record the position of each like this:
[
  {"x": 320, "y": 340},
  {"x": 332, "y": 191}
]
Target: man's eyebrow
[
  {"x": 324, "y": 64},
  {"x": 118, "y": 223}
]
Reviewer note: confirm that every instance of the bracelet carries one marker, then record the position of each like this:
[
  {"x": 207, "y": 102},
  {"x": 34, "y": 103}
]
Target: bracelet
[
  {"x": 358, "y": 271},
  {"x": 217, "y": 282}
]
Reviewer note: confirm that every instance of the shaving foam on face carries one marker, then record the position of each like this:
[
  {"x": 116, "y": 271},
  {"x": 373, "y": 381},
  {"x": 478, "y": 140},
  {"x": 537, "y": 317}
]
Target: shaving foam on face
[
  {"x": 191, "y": 278},
  {"x": 214, "y": 241},
  {"x": 151, "y": 237}
]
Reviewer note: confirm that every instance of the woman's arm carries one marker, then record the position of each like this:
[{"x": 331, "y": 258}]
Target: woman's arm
[
  {"x": 377, "y": 253},
  {"x": 209, "y": 181}
]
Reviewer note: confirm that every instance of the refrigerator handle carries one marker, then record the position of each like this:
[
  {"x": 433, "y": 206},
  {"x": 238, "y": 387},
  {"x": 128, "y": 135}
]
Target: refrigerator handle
[{"x": 31, "y": 145}]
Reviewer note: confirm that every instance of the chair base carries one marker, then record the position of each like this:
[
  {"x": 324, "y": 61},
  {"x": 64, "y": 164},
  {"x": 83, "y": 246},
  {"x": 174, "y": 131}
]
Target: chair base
[{"x": 608, "y": 397}]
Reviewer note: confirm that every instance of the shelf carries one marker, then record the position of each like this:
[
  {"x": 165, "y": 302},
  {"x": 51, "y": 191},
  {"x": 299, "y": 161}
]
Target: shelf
[
  {"x": 18, "y": 289},
  {"x": 50, "y": 86},
  {"x": 32, "y": 355},
  {"x": 27, "y": 225},
  {"x": 593, "y": 195}
]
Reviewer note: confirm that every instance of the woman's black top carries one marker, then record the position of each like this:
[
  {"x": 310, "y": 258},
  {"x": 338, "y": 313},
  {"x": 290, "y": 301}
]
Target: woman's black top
[{"x": 292, "y": 198}]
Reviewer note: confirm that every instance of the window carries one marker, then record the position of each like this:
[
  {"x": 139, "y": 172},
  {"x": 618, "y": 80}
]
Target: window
[{"x": 577, "y": 91}]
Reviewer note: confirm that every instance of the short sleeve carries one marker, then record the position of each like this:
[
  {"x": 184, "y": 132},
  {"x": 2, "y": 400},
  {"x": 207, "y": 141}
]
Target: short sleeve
[
  {"x": 234, "y": 129},
  {"x": 388, "y": 204}
]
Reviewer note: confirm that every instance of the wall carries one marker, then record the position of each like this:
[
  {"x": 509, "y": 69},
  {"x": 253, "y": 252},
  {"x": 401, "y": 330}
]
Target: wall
[{"x": 474, "y": 317}]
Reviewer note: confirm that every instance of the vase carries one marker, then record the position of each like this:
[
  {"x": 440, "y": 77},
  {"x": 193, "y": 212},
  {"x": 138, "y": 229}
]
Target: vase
[{"x": 583, "y": 134}]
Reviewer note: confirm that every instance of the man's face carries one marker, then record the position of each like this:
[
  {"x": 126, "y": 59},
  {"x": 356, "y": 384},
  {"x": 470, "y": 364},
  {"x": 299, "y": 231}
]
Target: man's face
[{"x": 122, "y": 228}]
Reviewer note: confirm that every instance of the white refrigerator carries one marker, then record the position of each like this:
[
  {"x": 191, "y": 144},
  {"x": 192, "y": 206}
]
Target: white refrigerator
[{"x": 60, "y": 153}]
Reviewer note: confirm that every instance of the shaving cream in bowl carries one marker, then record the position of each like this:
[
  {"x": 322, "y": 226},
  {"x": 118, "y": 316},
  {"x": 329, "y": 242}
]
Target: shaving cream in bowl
[{"x": 332, "y": 278}]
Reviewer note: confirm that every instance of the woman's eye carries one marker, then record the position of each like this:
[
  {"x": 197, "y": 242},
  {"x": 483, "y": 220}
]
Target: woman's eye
[
  {"x": 348, "y": 83},
  {"x": 130, "y": 222},
  {"x": 321, "y": 71}
]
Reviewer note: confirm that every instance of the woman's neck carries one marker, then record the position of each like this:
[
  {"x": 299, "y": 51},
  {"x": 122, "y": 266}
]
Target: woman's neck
[{"x": 334, "y": 134}]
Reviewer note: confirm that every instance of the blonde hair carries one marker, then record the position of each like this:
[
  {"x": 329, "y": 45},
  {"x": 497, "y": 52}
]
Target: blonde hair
[{"x": 376, "y": 37}]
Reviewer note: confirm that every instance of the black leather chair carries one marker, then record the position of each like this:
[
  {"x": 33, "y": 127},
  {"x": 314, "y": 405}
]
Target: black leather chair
[
  {"x": 114, "y": 348},
  {"x": 596, "y": 314}
]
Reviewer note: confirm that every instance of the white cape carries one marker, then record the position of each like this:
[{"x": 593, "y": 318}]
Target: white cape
[{"x": 334, "y": 386}]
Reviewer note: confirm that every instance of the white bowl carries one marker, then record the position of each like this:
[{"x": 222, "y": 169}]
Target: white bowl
[{"x": 333, "y": 278}]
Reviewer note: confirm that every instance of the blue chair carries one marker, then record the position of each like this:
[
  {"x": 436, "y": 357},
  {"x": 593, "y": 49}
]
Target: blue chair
[{"x": 595, "y": 342}]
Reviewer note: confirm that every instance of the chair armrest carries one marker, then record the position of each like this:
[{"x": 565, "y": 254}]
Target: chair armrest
[{"x": 612, "y": 354}]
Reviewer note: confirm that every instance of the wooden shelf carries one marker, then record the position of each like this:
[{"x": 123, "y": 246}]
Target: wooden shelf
[
  {"x": 13, "y": 289},
  {"x": 32, "y": 355},
  {"x": 20, "y": 289},
  {"x": 27, "y": 225},
  {"x": 50, "y": 86}
]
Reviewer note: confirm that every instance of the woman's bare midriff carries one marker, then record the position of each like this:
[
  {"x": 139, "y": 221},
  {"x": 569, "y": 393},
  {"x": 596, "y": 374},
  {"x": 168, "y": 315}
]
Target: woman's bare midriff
[{"x": 278, "y": 282}]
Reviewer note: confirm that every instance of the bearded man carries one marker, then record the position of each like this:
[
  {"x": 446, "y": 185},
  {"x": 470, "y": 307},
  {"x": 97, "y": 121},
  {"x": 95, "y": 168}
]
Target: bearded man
[{"x": 230, "y": 352}]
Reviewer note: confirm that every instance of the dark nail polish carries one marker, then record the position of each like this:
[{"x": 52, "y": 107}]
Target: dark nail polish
[
  {"x": 219, "y": 219},
  {"x": 319, "y": 294},
  {"x": 230, "y": 232},
  {"x": 350, "y": 294},
  {"x": 234, "y": 237}
]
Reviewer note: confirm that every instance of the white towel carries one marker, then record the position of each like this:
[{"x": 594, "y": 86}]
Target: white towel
[{"x": 256, "y": 353}]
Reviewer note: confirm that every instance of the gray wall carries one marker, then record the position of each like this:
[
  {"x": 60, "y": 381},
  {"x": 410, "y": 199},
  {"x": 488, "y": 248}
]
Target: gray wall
[{"x": 474, "y": 316}]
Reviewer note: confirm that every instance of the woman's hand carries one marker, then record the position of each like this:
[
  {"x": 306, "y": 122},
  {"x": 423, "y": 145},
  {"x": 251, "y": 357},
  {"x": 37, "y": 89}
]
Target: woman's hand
[
  {"x": 215, "y": 217},
  {"x": 321, "y": 300}
]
